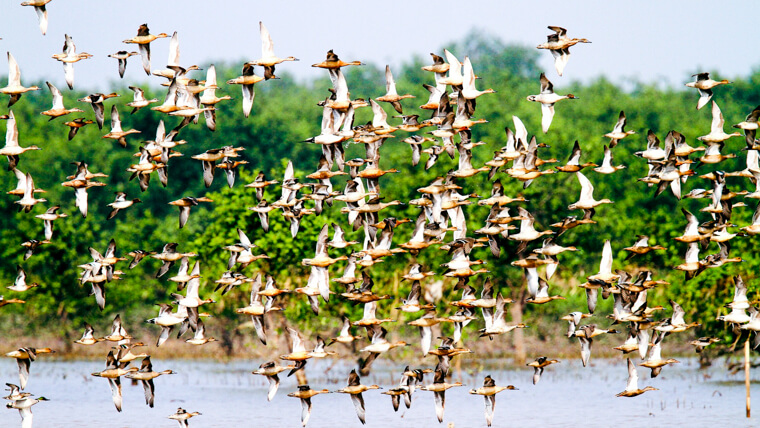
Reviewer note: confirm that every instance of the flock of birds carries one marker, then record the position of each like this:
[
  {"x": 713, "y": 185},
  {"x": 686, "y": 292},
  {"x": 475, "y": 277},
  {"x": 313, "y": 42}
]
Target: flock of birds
[{"x": 452, "y": 103}]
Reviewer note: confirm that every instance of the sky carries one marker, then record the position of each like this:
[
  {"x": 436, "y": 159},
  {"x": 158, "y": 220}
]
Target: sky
[{"x": 649, "y": 41}]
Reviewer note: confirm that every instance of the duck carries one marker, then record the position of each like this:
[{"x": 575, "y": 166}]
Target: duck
[
  {"x": 632, "y": 387},
  {"x": 19, "y": 284},
  {"x": 268, "y": 59},
  {"x": 412, "y": 302},
  {"x": 541, "y": 295},
  {"x": 40, "y": 6},
  {"x": 495, "y": 323},
  {"x": 271, "y": 370},
  {"x": 14, "y": 87},
  {"x": 28, "y": 201},
  {"x": 68, "y": 58},
  {"x": 298, "y": 352},
  {"x": 716, "y": 136},
  {"x": 704, "y": 85},
  {"x": 24, "y": 406},
  {"x": 118, "y": 332},
  {"x": 655, "y": 361},
  {"x": 24, "y": 358},
  {"x": 114, "y": 370},
  {"x": 167, "y": 319},
  {"x": 586, "y": 200},
  {"x": 96, "y": 100},
  {"x": 48, "y": 218},
  {"x": 379, "y": 344},
  {"x": 468, "y": 91},
  {"x": 191, "y": 298},
  {"x": 88, "y": 337},
  {"x": 143, "y": 40},
  {"x": 120, "y": 203},
  {"x": 559, "y": 45},
  {"x": 749, "y": 126},
  {"x": 305, "y": 393},
  {"x": 117, "y": 133},
  {"x": 409, "y": 380},
  {"x": 247, "y": 80},
  {"x": 146, "y": 375},
  {"x": 391, "y": 96},
  {"x": 125, "y": 354},
  {"x": 332, "y": 62},
  {"x": 139, "y": 101},
  {"x": 573, "y": 162},
  {"x": 527, "y": 231},
  {"x": 4, "y": 301},
  {"x": 58, "y": 110},
  {"x": 168, "y": 256},
  {"x": 12, "y": 150},
  {"x": 184, "y": 205},
  {"x": 641, "y": 246},
  {"x": 538, "y": 367},
  {"x": 701, "y": 343},
  {"x": 355, "y": 389},
  {"x": 489, "y": 391},
  {"x": 548, "y": 98},
  {"x": 439, "y": 387},
  {"x": 606, "y": 167},
  {"x": 122, "y": 57},
  {"x": 182, "y": 415},
  {"x": 619, "y": 132}
]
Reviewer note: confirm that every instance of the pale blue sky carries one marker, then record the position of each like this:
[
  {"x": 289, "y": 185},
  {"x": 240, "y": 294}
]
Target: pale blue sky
[{"x": 644, "y": 40}]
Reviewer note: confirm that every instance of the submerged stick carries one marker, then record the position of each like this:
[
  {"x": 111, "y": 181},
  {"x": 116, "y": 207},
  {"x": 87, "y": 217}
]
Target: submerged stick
[{"x": 746, "y": 371}]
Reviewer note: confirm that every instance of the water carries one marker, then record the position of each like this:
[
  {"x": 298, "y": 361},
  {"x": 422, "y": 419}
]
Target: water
[{"x": 228, "y": 395}]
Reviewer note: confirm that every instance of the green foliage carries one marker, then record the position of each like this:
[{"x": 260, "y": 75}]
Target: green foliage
[{"x": 284, "y": 114}]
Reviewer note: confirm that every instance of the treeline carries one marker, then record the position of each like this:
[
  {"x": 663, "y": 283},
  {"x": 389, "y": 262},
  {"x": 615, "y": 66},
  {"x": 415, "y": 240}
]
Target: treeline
[{"x": 285, "y": 113}]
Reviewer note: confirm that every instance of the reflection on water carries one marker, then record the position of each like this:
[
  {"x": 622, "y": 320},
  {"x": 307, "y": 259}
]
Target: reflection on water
[{"x": 229, "y": 395}]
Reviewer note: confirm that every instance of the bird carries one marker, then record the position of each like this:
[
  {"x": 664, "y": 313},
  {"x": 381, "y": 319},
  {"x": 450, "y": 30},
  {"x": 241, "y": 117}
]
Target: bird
[
  {"x": 247, "y": 80},
  {"x": 632, "y": 387},
  {"x": 14, "y": 87},
  {"x": 40, "y": 6},
  {"x": 122, "y": 57},
  {"x": 24, "y": 358},
  {"x": 271, "y": 370},
  {"x": 120, "y": 203},
  {"x": 114, "y": 370},
  {"x": 391, "y": 95},
  {"x": 618, "y": 132},
  {"x": 48, "y": 218},
  {"x": 58, "y": 110},
  {"x": 559, "y": 45},
  {"x": 143, "y": 40},
  {"x": 184, "y": 206},
  {"x": 12, "y": 150},
  {"x": 117, "y": 133},
  {"x": 268, "y": 59},
  {"x": 24, "y": 406},
  {"x": 182, "y": 416},
  {"x": 68, "y": 58},
  {"x": 355, "y": 389},
  {"x": 548, "y": 98},
  {"x": 19, "y": 284},
  {"x": 96, "y": 100},
  {"x": 305, "y": 393},
  {"x": 439, "y": 387},
  {"x": 146, "y": 375},
  {"x": 489, "y": 391},
  {"x": 538, "y": 367},
  {"x": 139, "y": 101},
  {"x": 704, "y": 85}
]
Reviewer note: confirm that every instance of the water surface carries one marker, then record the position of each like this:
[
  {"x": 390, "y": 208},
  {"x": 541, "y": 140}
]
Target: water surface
[{"x": 228, "y": 395}]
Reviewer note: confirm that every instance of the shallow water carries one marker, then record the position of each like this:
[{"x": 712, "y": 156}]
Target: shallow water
[{"x": 227, "y": 395}]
